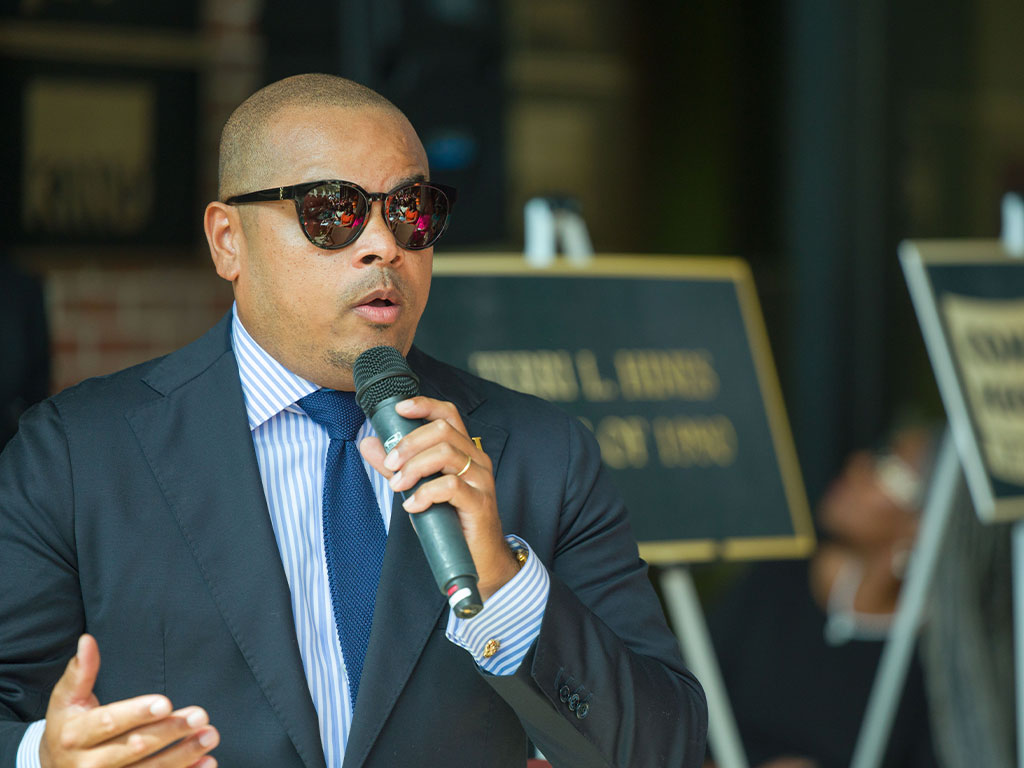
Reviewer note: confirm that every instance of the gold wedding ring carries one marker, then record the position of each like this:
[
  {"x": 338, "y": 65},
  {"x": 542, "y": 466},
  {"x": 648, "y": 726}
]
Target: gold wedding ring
[{"x": 461, "y": 472}]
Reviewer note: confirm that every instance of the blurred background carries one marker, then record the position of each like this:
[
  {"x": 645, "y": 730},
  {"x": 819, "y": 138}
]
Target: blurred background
[{"x": 806, "y": 136}]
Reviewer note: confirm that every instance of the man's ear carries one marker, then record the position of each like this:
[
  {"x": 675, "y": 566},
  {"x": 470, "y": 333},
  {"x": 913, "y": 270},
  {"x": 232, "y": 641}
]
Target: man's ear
[{"x": 223, "y": 226}]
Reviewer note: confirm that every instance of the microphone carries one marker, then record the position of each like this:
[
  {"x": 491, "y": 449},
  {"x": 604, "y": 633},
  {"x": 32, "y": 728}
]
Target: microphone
[{"x": 383, "y": 379}]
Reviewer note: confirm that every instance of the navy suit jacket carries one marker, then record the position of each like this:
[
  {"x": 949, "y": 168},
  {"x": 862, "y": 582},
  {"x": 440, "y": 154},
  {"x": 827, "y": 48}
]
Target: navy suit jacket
[{"x": 131, "y": 507}]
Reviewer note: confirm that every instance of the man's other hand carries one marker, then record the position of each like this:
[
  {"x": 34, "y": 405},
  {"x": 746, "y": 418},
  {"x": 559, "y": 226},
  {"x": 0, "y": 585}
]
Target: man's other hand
[{"x": 82, "y": 734}]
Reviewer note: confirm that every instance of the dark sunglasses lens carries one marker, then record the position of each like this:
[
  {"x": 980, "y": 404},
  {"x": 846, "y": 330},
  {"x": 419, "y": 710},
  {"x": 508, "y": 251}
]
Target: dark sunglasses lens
[
  {"x": 417, "y": 214},
  {"x": 333, "y": 215}
]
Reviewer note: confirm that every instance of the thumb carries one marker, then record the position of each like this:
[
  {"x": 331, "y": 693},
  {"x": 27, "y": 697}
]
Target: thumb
[
  {"x": 75, "y": 686},
  {"x": 373, "y": 451}
]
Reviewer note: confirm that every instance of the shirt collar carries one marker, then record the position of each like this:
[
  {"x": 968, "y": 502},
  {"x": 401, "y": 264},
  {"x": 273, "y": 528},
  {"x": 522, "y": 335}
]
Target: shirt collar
[{"x": 268, "y": 387}]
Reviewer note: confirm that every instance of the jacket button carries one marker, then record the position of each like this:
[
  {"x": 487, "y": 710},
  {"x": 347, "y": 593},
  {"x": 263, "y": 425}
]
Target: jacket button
[
  {"x": 573, "y": 701},
  {"x": 582, "y": 710},
  {"x": 563, "y": 693}
]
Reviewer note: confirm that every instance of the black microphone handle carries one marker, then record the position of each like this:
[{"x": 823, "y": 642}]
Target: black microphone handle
[{"x": 438, "y": 527}]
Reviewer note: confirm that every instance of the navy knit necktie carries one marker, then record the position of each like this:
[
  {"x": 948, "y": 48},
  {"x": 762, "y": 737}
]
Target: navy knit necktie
[{"x": 354, "y": 535}]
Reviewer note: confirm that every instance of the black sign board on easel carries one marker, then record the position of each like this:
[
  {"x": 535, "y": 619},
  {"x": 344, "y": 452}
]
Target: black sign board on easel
[
  {"x": 969, "y": 297},
  {"x": 667, "y": 361}
]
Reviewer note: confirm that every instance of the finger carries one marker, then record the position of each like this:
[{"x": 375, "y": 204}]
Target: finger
[
  {"x": 429, "y": 409},
  {"x": 144, "y": 742},
  {"x": 101, "y": 724},
  {"x": 186, "y": 753},
  {"x": 442, "y": 458},
  {"x": 446, "y": 488},
  {"x": 431, "y": 434},
  {"x": 75, "y": 685}
]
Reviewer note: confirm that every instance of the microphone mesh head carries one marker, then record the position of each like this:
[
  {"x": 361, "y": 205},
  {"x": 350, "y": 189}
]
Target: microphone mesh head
[{"x": 380, "y": 373}]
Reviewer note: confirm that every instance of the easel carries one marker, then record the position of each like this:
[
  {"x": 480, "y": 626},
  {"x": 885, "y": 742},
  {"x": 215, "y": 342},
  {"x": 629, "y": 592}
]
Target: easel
[
  {"x": 552, "y": 221},
  {"x": 946, "y": 482}
]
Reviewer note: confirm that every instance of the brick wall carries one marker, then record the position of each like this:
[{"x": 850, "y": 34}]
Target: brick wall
[{"x": 103, "y": 319}]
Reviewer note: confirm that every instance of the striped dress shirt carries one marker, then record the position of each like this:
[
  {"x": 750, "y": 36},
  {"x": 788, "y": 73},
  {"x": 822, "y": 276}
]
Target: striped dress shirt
[{"x": 291, "y": 450}]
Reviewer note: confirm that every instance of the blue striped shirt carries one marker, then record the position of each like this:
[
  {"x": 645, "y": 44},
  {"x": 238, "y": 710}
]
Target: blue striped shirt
[{"x": 291, "y": 450}]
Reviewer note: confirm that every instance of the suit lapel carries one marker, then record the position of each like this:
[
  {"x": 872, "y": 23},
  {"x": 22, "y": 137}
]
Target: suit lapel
[
  {"x": 408, "y": 604},
  {"x": 197, "y": 441}
]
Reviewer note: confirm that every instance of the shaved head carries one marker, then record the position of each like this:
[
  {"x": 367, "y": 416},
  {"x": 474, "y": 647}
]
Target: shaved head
[{"x": 247, "y": 162}]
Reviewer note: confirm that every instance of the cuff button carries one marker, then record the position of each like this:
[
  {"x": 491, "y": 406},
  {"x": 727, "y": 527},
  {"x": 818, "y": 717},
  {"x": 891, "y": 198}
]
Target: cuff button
[
  {"x": 563, "y": 693},
  {"x": 582, "y": 710},
  {"x": 574, "y": 700},
  {"x": 491, "y": 647}
]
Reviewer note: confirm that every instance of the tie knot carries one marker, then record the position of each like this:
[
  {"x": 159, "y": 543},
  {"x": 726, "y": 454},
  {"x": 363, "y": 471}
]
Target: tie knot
[{"x": 337, "y": 411}]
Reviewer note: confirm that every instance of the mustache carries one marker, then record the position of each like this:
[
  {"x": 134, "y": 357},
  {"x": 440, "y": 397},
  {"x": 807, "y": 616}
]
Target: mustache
[{"x": 382, "y": 279}]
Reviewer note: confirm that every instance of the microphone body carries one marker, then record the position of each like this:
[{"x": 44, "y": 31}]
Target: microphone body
[{"x": 438, "y": 527}]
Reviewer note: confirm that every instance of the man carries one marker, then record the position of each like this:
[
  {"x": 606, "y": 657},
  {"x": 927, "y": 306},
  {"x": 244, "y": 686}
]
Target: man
[{"x": 173, "y": 513}]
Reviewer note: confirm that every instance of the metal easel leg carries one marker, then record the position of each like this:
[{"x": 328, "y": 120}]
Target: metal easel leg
[
  {"x": 688, "y": 622},
  {"x": 892, "y": 668},
  {"x": 1018, "y": 632}
]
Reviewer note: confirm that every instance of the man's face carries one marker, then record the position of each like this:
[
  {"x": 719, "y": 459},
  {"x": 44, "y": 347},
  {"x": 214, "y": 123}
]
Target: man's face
[{"x": 316, "y": 310}]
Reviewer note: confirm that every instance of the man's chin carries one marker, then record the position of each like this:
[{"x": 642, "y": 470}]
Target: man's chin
[{"x": 345, "y": 359}]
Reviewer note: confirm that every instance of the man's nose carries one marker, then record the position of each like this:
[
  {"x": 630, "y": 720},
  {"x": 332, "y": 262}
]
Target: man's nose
[{"x": 376, "y": 242}]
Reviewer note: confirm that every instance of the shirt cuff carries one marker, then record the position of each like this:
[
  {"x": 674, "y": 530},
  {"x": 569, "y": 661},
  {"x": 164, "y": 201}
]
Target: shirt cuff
[
  {"x": 28, "y": 750},
  {"x": 500, "y": 635}
]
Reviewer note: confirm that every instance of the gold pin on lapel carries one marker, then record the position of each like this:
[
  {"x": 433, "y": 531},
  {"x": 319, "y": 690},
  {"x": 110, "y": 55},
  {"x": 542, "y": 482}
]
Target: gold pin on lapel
[{"x": 478, "y": 442}]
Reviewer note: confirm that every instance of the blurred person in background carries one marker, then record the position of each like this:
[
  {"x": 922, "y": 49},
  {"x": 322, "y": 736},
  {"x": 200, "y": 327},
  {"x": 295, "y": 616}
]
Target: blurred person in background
[
  {"x": 24, "y": 347},
  {"x": 799, "y": 642}
]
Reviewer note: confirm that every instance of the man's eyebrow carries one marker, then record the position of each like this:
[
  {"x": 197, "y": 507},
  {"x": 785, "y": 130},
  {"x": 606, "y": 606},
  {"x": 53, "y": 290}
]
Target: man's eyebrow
[{"x": 411, "y": 179}]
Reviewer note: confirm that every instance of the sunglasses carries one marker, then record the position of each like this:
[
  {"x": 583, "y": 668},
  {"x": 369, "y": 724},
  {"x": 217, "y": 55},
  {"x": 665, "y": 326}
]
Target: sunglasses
[{"x": 333, "y": 214}]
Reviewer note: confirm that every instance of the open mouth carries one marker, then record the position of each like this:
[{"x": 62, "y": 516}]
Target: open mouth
[{"x": 378, "y": 309}]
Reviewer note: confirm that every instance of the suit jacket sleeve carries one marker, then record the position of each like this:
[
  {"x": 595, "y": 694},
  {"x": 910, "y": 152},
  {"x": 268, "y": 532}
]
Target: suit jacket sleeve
[
  {"x": 40, "y": 597},
  {"x": 603, "y": 639}
]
